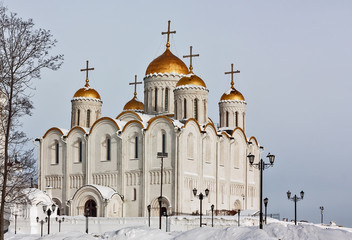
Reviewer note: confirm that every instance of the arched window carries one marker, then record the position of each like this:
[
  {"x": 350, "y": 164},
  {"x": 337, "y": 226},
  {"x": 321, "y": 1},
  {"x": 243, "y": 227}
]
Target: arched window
[
  {"x": 134, "y": 197},
  {"x": 227, "y": 119},
  {"x": 166, "y": 99},
  {"x": 176, "y": 109},
  {"x": 156, "y": 100},
  {"x": 80, "y": 151},
  {"x": 108, "y": 148},
  {"x": 164, "y": 142},
  {"x": 78, "y": 116},
  {"x": 88, "y": 118},
  {"x": 57, "y": 150},
  {"x": 184, "y": 108},
  {"x": 195, "y": 109},
  {"x": 236, "y": 119},
  {"x": 136, "y": 147}
]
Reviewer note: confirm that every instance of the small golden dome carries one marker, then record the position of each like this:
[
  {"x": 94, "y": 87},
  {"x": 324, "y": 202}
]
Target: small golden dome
[
  {"x": 191, "y": 80},
  {"x": 232, "y": 94},
  {"x": 87, "y": 92},
  {"x": 134, "y": 104},
  {"x": 167, "y": 63}
]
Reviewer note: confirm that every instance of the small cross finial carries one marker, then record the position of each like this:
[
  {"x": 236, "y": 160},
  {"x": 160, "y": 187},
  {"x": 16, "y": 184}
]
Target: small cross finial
[
  {"x": 135, "y": 85},
  {"x": 86, "y": 70},
  {"x": 232, "y": 73},
  {"x": 168, "y": 34},
  {"x": 190, "y": 56}
]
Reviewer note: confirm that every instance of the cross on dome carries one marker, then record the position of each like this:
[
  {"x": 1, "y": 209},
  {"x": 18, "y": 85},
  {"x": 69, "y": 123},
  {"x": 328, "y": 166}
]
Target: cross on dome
[
  {"x": 168, "y": 34},
  {"x": 232, "y": 73},
  {"x": 86, "y": 70},
  {"x": 190, "y": 56},
  {"x": 135, "y": 85}
]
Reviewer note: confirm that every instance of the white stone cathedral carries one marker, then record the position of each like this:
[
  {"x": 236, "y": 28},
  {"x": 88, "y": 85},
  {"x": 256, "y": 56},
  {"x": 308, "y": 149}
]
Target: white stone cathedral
[{"x": 109, "y": 167}]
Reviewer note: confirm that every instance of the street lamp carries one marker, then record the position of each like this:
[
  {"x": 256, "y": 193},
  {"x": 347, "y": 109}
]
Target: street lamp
[
  {"x": 149, "y": 207},
  {"x": 243, "y": 197},
  {"x": 239, "y": 217},
  {"x": 200, "y": 196},
  {"x": 212, "y": 215},
  {"x": 48, "y": 212},
  {"x": 266, "y": 206},
  {"x": 295, "y": 199},
  {"x": 41, "y": 225},
  {"x": 87, "y": 215},
  {"x": 165, "y": 215},
  {"x": 161, "y": 155},
  {"x": 60, "y": 220},
  {"x": 261, "y": 165},
  {"x": 321, "y": 211}
]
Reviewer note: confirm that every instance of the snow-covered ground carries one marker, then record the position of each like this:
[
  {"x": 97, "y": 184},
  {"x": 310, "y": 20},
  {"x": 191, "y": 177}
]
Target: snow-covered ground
[{"x": 274, "y": 230}]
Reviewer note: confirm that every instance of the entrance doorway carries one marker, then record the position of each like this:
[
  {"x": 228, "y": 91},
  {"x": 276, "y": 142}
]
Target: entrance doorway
[{"x": 90, "y": 208}]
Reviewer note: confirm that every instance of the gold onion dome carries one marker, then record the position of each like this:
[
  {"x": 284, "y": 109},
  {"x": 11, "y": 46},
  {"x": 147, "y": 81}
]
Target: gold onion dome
[
  {"x": 87, "y": 92},
  {"x": 191, "y": 79},
  {"x": 134, "y": 104},
  {"x": 231, "y": 95},
  {"x": 167, "y": 63}
]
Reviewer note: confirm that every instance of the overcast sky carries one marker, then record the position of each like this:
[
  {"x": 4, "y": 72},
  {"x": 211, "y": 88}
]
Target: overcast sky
[{"x": 295, "y": 59}]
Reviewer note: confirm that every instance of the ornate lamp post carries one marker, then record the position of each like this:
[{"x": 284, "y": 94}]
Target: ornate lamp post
[
  {"x": 60, "y": 220},
  {"x": 200, "y": 196},
  {"x": 48, "y": 212},
  {"x": 41, "y": 225},
  {"x": 149, "y": 207},
  {"x": 161, "y": 155},
  {"x": 295, "y": 199},
  {"x": 266, "y": 206},
  {"x": 321, "y": 212},
  {"x": 261, "y": 165},
  {"x": 212, "y": 215}
]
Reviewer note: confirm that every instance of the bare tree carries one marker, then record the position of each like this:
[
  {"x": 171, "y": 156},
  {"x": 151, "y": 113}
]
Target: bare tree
[{"x": 24, "y": 51}]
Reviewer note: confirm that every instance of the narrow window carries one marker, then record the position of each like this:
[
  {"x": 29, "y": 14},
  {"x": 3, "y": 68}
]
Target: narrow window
[
  {"x": 108, "y": 149},
  {"x": 236, "y": 119},
  {"x": 136, "y": 147},
  {"x": 88, "y": 118},
  {"x": 166, "y": 99},
  {"x": 175, "y": 109},
  {"x": 196, "y": 109},
  {"x": 134, "y": 194},
  {"x": 227, "y": 119},
  {"x": 78, "y": 116},
  {"x": 184, "y": 108},
  {"x": 164, "y": 143},
  {"x": 57, "y": 153},
  {"x": 156, "y": 100},
  {"x": 80, "y": 151}
]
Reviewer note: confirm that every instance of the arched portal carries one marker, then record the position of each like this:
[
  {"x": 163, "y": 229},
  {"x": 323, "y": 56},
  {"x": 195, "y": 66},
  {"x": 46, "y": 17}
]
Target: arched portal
[
  {"x": 91, "y": 208},
  {"x": 237, "y": 205},
  {"x": 156, "y": 208}
]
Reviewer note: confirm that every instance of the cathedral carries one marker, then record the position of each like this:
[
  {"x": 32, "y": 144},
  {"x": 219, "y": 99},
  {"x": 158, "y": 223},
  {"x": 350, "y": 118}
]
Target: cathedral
[{"x": 117, "y": 166}]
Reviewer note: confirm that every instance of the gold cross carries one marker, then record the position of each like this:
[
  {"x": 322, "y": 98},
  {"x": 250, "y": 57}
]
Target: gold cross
[
  {"x": 190, "y": 56},
  {"x": 135, "y": 85},
  {"x": 168, "y": 34},
  {"x": 86, "y": 70},
  {"x": 232, "y": 72}
]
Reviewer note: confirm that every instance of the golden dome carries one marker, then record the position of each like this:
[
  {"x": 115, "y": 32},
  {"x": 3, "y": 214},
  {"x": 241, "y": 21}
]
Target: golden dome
[
  {"x": 191, "y": 80},
  {"x": 232, "y": 94},
  {"x": 87, "y": 92},
  {"x": 134, "y": 104},
  {"x": 167, "y": 63}
]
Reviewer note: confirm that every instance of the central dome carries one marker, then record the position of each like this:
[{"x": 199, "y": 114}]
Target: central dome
[
  {"x": 167, "y": 63},
  {"x": 87, "y": 92}
]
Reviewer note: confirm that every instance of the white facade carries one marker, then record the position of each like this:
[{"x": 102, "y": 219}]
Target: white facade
[{"x": 111, "y": 167}]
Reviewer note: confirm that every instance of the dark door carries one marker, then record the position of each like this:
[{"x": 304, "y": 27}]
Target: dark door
[{"x": 90, "y": 208}]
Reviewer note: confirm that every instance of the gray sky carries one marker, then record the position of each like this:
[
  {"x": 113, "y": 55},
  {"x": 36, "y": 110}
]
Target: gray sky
[{"x": 294, "y": 56}]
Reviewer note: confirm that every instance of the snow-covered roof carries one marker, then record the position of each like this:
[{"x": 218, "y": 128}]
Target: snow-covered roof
[{"x": 106, "y": 192}]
